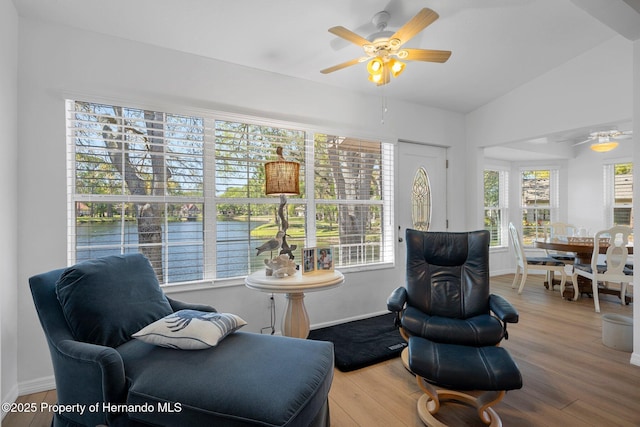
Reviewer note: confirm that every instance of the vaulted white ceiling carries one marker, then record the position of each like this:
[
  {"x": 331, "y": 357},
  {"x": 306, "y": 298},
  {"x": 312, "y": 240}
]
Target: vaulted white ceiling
[{"x": 497, "y": 44}]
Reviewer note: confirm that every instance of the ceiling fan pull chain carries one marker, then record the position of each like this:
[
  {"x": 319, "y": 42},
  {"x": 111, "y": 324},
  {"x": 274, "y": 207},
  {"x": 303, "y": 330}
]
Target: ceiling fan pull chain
[{"x": 383, "y": 103}]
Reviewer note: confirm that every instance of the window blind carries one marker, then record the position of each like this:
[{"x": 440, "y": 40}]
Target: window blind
[
  {"x": 245, "y": 217},
  {"x": 188, "y": 191},
  {"x": 618, "y": 194},
  {"x": 539, "y": 201},
  {"x": 496, "y": 199},
  {"x": 352, "y": 183},
  {"x": 136, "y": 184}
]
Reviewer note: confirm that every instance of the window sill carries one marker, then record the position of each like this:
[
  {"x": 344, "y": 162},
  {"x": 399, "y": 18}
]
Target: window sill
[{"x": 201, "y": 285}]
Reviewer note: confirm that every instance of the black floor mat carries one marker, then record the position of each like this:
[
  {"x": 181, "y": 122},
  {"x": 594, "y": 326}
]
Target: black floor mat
[{"x": 363, "y": 342}]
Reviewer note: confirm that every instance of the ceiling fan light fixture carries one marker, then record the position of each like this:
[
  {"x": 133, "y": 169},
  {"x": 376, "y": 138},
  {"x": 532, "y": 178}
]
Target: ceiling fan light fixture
[
  {"x": 396, "y": 67},
  {"x": 603, "y": 147},
  {"x": 375, "y": 78},
  {"x": 383, "y": 47},
  {"x": 375, "y": 66}
]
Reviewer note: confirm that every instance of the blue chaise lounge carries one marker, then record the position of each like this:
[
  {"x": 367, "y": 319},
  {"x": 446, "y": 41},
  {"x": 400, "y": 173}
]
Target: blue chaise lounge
[{"x": 90, "y": 311}]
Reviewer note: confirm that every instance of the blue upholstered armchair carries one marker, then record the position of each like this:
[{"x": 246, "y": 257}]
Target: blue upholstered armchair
[{"x": 88, "y": 313}]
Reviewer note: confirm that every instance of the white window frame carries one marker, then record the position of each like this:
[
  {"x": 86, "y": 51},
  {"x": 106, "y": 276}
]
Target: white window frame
[
  {"x": 609, "y": 191},
  {"x": 503, "y": 204},
  {"x": 209, "y": 199},
  {"x": 554, "y": 198}
]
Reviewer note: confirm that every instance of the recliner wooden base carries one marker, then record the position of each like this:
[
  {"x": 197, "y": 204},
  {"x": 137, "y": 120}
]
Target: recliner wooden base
[
  {"x": 429, "y": 403},
  {"x": 475, "y": 376}
]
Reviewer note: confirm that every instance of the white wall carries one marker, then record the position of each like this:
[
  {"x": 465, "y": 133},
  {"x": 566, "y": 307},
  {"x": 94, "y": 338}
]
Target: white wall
[
  {"x": 635, "y": 357},
  {"x": 598, "y": 87},
  {"x": 592, "y": 89},
  {"x": 57, "y": 62},
  {"x": 9, "y": 197},
  {"x": 586, "y": 186}
]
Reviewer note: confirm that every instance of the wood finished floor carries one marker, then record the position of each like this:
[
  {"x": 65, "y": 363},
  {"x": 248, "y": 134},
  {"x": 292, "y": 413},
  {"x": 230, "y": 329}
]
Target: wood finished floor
[{"x": 570, "y": 377}]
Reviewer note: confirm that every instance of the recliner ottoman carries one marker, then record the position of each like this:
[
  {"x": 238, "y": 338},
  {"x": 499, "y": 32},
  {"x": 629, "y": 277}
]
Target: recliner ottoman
[{"x": 446, "y": 371}]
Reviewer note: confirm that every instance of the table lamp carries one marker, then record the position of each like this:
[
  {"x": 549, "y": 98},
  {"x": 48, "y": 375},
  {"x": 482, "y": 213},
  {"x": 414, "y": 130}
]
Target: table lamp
[{"x": 282, "y": 178}]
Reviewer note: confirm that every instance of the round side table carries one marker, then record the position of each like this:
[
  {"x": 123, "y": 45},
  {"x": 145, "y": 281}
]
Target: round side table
[{"x": 295, "y": 322}]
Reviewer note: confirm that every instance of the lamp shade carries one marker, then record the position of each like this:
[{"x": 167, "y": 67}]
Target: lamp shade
[{"x": 282, "y": 177}]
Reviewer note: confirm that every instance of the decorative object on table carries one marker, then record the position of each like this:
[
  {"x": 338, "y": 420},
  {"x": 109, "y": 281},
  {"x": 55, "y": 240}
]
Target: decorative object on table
[
  {"x": 324, "y": 257},
  {"x": 308, "y": 260},
  {"x": 588, "y": 241},
  {"x": 272, "y": 244},
  {"x": 280, "y": 266},
  {"x": 282, "y": 178}
]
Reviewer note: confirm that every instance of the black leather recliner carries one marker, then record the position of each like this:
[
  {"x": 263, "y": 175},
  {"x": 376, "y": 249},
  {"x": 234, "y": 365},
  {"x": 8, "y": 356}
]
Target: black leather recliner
[
  {"x": 453, "y": 324},
  {"x": 447, "y": 297}
]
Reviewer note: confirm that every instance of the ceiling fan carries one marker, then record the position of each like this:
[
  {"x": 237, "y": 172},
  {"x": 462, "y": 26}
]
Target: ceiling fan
[
  {"x": 384, "y": 48},
  {"x": 603, "y": 141}
]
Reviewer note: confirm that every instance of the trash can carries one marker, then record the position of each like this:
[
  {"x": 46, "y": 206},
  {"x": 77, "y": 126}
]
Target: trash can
[{"x": 617, "y": 332}]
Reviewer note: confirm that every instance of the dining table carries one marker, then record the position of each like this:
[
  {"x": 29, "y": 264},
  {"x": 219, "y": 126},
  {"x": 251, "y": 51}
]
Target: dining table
[{"x": 582, "y": 249}]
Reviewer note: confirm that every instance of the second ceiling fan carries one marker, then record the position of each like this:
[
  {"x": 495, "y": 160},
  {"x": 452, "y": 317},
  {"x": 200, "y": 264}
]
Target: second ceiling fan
[{"x": 384, "y": 50}]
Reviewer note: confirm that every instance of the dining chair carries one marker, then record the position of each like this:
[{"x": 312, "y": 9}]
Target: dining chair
[
  {"x": 561, "y": 230},
  {"x": 524, "y": 263},
  {"x": 614, "y": 268}
]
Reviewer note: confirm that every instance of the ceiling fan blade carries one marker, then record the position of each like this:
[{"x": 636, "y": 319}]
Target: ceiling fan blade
[
  {"x": 343, "y": 65},
  {"x": 427, "y": 55},
  {"x": 349, "y": 36},
  {"x": 416, "y": 24},
  {"x": 582, "y": 142},
  {"x": 622, "y": 135}
]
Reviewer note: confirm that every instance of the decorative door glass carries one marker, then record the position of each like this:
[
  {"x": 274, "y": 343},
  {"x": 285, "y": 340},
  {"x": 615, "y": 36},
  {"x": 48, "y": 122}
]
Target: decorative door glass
[{"x": 421, "y": 201}]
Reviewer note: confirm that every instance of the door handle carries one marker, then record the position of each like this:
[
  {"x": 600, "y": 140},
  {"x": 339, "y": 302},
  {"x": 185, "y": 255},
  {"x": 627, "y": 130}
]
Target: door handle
[{"x": 400, "y": 239}]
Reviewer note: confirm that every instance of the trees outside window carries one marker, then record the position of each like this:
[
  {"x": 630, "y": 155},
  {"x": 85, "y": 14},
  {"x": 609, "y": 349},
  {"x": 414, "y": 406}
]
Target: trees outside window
[
  {"x": 188, "y": 191},
  {"x": 619, "y": 194},
  {"x": 538, "y": 202},
  {"x": 495, "y": 205}
]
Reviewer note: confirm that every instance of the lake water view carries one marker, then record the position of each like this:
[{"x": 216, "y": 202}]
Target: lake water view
[{"x": 183, "y": 256}]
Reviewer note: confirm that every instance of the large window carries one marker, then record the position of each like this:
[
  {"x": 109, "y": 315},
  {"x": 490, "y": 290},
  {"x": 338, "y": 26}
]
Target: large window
[
  {"x": 496, "y": 194},
  {"x": 618, "y": 186},
  {"x": 351, "y": 192},
  {"x": 539, "y": 201},
  {"x": 188, "y": 191}
]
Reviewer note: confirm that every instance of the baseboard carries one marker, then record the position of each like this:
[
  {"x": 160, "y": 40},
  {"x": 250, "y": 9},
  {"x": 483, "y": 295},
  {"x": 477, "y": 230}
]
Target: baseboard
[
  {"x": 493, "y": 273},
  {"x": 37, "y": 385},
  {"x": 635, "y": 359},
  {"x": 348, "y": 319},
  {"x": 9, "y": 398},
  {"x": 28, "y": 387}
]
